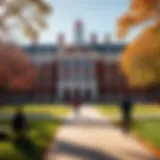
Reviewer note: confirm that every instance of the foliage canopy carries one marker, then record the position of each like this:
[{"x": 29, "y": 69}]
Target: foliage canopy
[{"x": 141, "y": 60}]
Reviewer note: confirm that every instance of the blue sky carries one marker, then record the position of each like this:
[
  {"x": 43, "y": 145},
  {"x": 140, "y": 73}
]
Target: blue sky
[{"x": 98, "y": 16}]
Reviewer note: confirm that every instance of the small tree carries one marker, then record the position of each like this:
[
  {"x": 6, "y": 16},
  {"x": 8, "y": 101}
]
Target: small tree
[
  {"x": 141, "y": 60},
  {"x": 17, "y": 72}
]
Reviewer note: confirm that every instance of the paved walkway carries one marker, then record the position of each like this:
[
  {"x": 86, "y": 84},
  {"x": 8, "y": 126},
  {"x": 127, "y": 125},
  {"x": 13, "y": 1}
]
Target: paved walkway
[{"x": 92, "y": 137}]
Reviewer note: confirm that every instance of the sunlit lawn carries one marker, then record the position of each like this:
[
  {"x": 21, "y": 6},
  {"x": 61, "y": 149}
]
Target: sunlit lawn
[
  {"x": 57, "y": 110},
  {"x": 40, "y": 133},
  {"x": 113, "y": 111},
  {"x": 148, "y": 130}
]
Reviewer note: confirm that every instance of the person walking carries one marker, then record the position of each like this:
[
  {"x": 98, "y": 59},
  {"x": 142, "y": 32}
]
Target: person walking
[
  {"x": 76, "y": 106},
  {"x": 126, "y": 109},
  {"x": 19, "y": 124}
]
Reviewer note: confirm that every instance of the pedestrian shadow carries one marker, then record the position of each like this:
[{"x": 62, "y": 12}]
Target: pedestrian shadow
[
  {"x": 27, "y": 147},
  {"x": 82, "y": 152}
]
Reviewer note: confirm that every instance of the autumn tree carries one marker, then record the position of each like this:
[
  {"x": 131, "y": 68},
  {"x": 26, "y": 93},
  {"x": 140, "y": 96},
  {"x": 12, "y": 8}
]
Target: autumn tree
[
  {"x": 141, "y": 60},
  {"x": 17, "y": 72},
  {"x": 29, "y": 16}
]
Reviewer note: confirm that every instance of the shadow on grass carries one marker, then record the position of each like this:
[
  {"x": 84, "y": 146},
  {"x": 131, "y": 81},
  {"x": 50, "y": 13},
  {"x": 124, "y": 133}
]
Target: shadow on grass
[
  {"x": 28, "y": 148},
  {"x": 83, "y": 152}
]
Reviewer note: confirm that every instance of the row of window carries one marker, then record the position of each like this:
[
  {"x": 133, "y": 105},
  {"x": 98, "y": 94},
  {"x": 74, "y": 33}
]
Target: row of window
[
  {"x": 82, "y": 76},
  {"x": 76, "y": 70}
]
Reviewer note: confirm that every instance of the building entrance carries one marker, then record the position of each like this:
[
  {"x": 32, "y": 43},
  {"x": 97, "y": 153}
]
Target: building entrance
[
  {"x": 77, "y": 77},
  {"x": 67, "y": 95},
  {"x": 88, "y": 95}
]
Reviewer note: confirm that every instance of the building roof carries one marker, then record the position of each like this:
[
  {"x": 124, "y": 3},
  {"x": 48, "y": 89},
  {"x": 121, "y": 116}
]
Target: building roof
[
  {"x": 40, "y": 48},
  {"x": 99, "y": 48},
  {"x": 108, "y": 48}
]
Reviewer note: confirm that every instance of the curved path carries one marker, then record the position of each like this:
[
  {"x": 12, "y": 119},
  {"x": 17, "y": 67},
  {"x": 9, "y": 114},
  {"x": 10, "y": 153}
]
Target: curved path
[{"x": 91, "y": 136}]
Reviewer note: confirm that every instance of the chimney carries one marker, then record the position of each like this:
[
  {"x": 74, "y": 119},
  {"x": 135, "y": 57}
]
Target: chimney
[
  {"x": 93, "y": 39},
  {"x": 79, "y": 33},
  {"x": 61, "y": 41}
]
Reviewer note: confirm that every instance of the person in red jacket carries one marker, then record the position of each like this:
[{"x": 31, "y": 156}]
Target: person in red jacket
[{"x": 76, "y": 105}]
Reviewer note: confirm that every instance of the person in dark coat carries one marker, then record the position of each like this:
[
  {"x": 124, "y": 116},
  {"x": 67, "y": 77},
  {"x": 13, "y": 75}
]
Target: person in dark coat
[
  {"x": 126, "y": 109},
  {"x": 19, "y": 124}
]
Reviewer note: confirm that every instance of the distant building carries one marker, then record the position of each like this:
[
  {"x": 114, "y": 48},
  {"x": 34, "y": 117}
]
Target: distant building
[{"x": 89, "y": 70}]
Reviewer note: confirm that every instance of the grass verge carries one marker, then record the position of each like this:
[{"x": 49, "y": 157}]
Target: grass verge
[
  {"x": 113, "y": 111},
  {"x": 146, "y": 130},
  {"x": 39, "y": 136}
]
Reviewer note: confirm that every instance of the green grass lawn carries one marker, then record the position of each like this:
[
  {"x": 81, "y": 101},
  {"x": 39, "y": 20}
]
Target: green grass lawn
[
  {"x": 57, "y": 110},
  {"x": 113, "y": 111},
  {"x": 148, "y": 130},
  {"x": 40, "y": 133}
]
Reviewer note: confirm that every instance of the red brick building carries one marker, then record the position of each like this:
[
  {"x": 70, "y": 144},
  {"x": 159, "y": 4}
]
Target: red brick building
[{"x": 88, "y": 69}]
